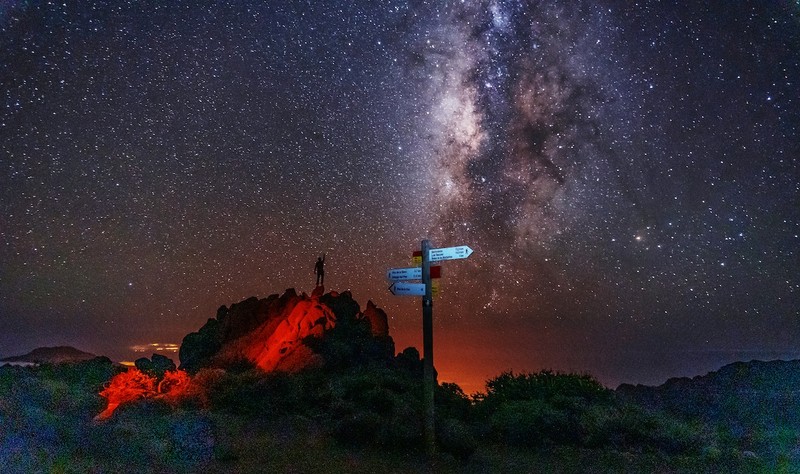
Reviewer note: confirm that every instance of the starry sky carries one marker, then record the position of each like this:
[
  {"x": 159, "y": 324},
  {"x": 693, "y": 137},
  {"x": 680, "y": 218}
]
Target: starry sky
[{"x": 626, "y": 173}]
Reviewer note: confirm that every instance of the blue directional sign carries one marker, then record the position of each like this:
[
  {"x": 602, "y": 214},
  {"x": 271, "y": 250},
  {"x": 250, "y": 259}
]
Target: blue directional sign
[
  {"x": 400, "y": 274},
  {"x": 449, "y": 253},
  {"x": 407, "y": 289}
]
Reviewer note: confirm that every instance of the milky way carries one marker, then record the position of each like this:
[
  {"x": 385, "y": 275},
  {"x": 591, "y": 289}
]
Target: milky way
[
  {"x": 627, "y": 174},
  {"x": 516, "y": 99}
]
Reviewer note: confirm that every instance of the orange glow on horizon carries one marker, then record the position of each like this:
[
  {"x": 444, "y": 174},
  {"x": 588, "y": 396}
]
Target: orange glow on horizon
[
  {"x": 156, "y": 346},
  {"x": 469, "y": 358}
]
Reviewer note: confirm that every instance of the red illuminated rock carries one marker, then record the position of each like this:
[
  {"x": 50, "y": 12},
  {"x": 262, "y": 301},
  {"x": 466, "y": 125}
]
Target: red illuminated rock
[
  {"x": 286, "y": 333},
  {"x": 280, "y": 346},
  {"x": 135, "y": 384},
  {"x": 318, "y": 291},
  {"x": 277, "y": 333},
  {"x": 377, "y": 319}
]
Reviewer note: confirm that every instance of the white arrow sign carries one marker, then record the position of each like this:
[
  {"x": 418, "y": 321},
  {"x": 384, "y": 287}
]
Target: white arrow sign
[
  {"x": 407, "y": 289},
  {"x": 449, "y": 253},
  {"x": 400, "y": 274}
]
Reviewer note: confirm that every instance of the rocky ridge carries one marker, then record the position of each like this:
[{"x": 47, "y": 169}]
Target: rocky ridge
[{"x": 284, "y": 333}]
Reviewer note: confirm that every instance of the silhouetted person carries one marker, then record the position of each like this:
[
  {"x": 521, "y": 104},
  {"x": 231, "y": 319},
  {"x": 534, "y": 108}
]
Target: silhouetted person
[{"x": 319, "y": 269}]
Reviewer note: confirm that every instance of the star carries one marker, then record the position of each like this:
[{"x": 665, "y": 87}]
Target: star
[{"x": 620, "y": 177}]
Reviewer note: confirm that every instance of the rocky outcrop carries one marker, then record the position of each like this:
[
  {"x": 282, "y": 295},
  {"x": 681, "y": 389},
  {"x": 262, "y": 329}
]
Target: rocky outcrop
[
  {"x": 377, "y": 319},
  {"x": 278, "y": 344},
  {"x": 288, "y": 333},
  {"x": 156, "y": 366}
]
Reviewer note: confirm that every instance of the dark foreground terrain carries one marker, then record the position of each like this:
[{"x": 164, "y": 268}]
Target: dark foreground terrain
[
  {"x": 299, "y": 383},
  {"x": 366, "y": 418}
]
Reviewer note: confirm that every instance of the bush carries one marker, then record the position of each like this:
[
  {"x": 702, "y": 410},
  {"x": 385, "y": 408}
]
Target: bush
[
  {"x": 245, "y": 393},
  {"x": 545, "y": 385},
  {"x": 376, "y": 407},
  {"x": 452, "y": 402},
  {"x": 548, "y": 409},
  {"x": 532, "y": 423},
  {"x": 538, "y": 409},
  {"x": 455, "y": 437},
  {"x": 152, "y": 436}
]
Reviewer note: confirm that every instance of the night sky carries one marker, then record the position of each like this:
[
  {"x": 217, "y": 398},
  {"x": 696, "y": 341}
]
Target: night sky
[{"x": 626, "y": 173}]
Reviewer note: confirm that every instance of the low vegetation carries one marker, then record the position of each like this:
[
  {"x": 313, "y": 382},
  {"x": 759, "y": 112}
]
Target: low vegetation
[{"x": 361, "y": 418}]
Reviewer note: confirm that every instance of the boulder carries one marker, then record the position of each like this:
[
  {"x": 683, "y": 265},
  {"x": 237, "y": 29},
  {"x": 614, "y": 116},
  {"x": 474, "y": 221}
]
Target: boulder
[
  {"x": 378, "y": 321},
  {"x": 287, "y": 333},
  {"x": 156, "y": 365}
]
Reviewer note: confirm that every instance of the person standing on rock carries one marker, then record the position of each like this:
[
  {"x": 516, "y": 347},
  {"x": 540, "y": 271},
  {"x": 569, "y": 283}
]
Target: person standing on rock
[{"x": 319, "y": 269}]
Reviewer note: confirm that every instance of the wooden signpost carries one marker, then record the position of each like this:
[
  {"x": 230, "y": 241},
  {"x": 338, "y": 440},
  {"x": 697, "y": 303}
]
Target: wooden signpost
[{"x": 399, "y": 287}]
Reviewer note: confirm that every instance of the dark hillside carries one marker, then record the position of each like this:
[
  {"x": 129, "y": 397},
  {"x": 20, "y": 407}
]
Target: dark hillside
[
  {"x": 754, "y": 404},
  {"x": 51, "y": 355}
]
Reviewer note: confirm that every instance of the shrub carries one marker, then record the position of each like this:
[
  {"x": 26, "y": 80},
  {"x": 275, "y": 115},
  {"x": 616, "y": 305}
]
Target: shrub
[
  {"x": 383, "y": 404},
  {"x": 544, "y": 385},
  {"x": 456, "y": 437},
  {"x": 556, "y": 409},
  {"x": 452, "y": 402},
  {"x": 531, "y": 423}
]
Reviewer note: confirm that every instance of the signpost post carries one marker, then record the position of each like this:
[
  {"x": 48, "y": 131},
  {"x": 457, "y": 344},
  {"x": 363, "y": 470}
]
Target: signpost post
[
  {"x": 424, "y": 289},
  {"x": 427, "y": 348}
]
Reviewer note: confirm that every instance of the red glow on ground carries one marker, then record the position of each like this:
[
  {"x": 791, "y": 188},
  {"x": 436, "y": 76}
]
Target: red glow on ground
[
  {"x": 134, "y": 384},
  {"x": 277, "y": 344}
]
